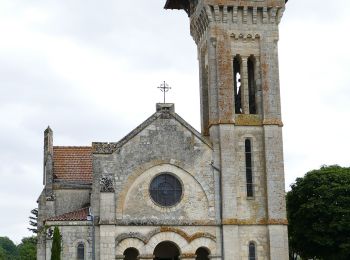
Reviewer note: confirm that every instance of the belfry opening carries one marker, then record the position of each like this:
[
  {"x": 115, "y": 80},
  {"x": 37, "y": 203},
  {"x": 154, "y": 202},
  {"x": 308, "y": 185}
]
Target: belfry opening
[{"x": 166, "y": 251}]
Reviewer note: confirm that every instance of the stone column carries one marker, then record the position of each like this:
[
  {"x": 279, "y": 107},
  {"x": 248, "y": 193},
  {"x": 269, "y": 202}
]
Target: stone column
[
  {"x": 258, "y": 93},
  {"x": 212, "y": 74},
  {"x": 244, "y": 86}
]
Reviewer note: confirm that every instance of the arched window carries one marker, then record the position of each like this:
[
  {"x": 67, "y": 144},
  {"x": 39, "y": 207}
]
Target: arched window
[
  {"x": 237, "y": 84},
  {"x": 251, "y": 85},
  {"x": 249, "y": 168},
  {"x": 252, "y": 251},
  {"x": 202, "y": 254},
  {"x": 131, "y": 254},
  {"x": 81, "y": 251}
]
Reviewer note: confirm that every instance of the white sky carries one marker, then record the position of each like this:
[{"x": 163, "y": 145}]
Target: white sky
[{"x": 90, "y": 70}]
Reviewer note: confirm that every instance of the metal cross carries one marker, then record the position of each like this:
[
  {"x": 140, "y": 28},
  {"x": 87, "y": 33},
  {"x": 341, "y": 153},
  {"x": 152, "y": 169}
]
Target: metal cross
[{"x": 164, "y": 87}]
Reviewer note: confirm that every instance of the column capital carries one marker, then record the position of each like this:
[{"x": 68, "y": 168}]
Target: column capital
[
  {"x": 214, "y": 256},
  {"x": 188, "y": 256},
  {"x": 145, "y": 257}
]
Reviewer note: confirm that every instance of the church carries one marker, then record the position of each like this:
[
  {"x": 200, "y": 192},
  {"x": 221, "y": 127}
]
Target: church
[{"x": 168, "y": 192}]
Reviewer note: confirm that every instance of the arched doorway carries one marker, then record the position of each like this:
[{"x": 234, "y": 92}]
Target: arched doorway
[
  {"x": 131, "y": 254},
  {"x": 166, "y": 251},
  {"x": 202, "y": 254}
]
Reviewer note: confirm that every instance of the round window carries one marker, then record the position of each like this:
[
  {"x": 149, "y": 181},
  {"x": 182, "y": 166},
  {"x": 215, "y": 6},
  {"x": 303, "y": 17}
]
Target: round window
[{"x": 166, "y": 190}]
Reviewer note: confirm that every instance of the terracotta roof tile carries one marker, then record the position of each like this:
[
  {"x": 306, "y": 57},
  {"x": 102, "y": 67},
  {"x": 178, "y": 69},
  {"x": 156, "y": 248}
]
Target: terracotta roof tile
[
  {"x": 72, "y": 163},
  {"x": 78, "y": 215}
]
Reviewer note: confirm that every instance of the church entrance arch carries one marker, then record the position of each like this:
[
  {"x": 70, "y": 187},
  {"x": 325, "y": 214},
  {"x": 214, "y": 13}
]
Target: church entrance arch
[{"x": 166, "y": 251}]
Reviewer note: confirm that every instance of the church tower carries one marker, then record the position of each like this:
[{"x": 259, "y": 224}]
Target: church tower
[{"x": 241, "y": 116}]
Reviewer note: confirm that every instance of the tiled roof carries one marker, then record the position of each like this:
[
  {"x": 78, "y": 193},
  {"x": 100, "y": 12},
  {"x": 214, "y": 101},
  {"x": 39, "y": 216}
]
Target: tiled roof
[
  {"x": 78, "y": 215},
  {"x": 72, "y": 163}
]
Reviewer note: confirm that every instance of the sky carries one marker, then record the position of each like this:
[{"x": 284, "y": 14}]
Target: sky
[{"x": 90, "y": 70}]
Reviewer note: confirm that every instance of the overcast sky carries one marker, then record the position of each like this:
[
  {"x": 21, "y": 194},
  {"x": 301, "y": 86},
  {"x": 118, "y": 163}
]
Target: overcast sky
[{"x": 90, "y": 69}]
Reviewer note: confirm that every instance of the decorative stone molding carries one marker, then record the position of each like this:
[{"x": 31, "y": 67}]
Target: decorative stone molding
[
  {"x": 174, "y": 221},
  {"x": 230, "y": 13},
  {"x": 145, "y": 238},
  {"x": 255, "y": 222},
  {"x": 144, "y": 257},
  {"x": 106, "y": 183},
  {"x": 221, "y": 122},
  {"x": 248, "y": 120},
  {"x": 136, "y": 235},
  {"x": 272, "y": 121},
  {"x": 199, "y": 24},
  {"x": 251, "y": 35}
]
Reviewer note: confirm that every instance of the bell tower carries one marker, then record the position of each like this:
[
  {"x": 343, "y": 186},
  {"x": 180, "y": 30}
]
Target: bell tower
[{"x": 241, "y": 115}]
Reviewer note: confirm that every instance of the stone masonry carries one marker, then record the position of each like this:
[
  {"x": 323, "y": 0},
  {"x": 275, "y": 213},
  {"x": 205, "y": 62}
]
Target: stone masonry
[{"x": 231, "y": 203}]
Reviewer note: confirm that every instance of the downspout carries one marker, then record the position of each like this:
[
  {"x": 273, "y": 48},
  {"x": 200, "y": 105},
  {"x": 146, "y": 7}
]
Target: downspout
[{"x": 221, "y": 210}]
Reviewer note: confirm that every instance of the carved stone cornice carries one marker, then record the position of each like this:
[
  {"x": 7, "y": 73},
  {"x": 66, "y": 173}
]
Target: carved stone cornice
[{"x": 199, "y": 24}]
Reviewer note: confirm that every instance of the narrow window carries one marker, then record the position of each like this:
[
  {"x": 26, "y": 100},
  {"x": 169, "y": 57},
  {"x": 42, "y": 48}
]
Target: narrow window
[
  {"x": 248, "y": 168},
  {"x": 251, "y": 85},
  {"x": 252, "y": 251},
  {"x": 237, "y": 84},
  {"x": 81, "y": 252}
]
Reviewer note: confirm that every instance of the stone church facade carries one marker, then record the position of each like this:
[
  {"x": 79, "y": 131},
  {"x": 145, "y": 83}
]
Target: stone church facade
[{"x": 166, "y": 191}]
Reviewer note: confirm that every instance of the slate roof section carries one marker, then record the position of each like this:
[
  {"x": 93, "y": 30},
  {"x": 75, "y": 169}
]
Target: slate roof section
[
  {"x": 72, "y": 163},
  {"x": 78, "y": 215}
]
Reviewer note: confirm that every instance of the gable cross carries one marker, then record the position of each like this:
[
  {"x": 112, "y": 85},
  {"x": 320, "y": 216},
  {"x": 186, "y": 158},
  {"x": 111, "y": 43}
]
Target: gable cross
[{"x": 164, "y": 87}]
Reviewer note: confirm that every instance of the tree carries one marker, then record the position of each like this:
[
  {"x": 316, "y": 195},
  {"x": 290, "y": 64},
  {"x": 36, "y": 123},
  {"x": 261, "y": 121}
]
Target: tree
[
  {"x": 56, "y": 245},
  {"x": 33, "y": 221},
  {"x": 27, "y": 248},
  {"x": 318, "y": 208},
  {"x": 8, "y": 248}
]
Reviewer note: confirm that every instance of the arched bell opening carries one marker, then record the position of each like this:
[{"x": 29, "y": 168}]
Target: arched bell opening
[
  {"x": 202, "y": 253},
  {"x": 166, "y": 251},
  {"x": 131, "y": 254},
  {"x": 237, "y": 67}
]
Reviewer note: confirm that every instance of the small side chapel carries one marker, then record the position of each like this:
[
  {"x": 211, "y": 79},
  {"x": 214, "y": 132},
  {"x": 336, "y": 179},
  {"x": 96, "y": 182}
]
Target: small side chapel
[{"x": 166, "y": 191}]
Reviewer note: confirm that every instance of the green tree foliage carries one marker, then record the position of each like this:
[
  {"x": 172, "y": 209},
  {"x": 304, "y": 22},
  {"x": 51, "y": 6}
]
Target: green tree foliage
[
  {"x": 8, "y": 249},
  {"x": 33, "y": 221},
  {"x": 27, "y": 248},
  {"x": 56, "y": 245},
  {"x": 318, "y": 208}
]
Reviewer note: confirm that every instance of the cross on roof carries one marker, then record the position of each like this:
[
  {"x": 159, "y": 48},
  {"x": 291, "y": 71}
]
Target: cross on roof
[{"x": 164, "y": 87}]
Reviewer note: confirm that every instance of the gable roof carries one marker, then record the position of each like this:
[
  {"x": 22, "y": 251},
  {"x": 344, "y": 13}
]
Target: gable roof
[
  {"x": 108, "y": 148},
  {"x": 72, "y": 163},
  {"x": 77, "y": 215}
]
